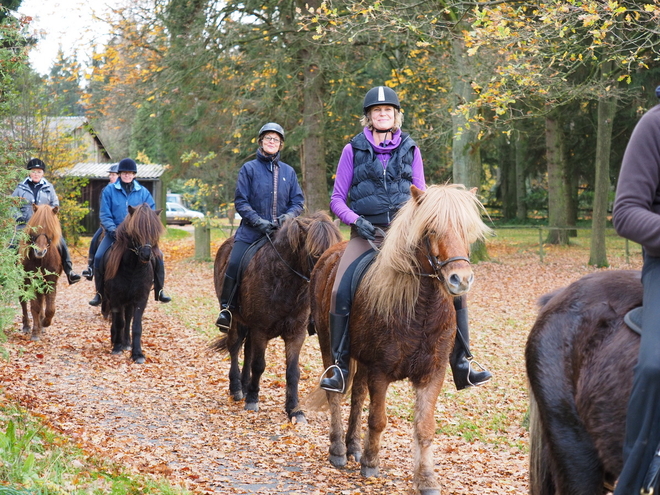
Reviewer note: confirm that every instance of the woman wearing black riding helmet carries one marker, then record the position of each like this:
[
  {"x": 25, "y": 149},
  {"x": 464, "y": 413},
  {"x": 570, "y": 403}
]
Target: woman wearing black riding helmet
[
  {"x": 267, "y": 193},
  {"x": 37, "y": 190},
  {"x": 374, "y": 175}
]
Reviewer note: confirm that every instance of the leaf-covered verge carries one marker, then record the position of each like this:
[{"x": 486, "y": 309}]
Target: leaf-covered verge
[{"x": 173, "y": 416}]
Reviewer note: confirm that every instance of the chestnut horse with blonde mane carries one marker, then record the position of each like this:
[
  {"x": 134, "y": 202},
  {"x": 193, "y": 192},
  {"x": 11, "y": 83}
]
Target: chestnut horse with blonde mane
[
  {"x": 129, "y": 276},
  {"x": 402, "y": 322},
  {"x": 41, "y": 257}
]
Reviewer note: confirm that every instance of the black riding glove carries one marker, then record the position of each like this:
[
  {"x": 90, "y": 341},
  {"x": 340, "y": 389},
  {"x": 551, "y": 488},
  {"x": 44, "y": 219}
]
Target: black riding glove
[
  {"x": 265, "y": 227},
  {"x": 365, "y": 229},
  {"x": 282, "y": 218}
]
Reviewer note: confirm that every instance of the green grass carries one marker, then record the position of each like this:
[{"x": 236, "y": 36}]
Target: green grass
[{"x": 35, "y": 459}]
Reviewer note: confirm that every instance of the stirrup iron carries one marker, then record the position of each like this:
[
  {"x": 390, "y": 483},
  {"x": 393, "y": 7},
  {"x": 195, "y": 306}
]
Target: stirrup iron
[
  {"x": 230, "y": 318},
  {"x": 337, "y": 373},
  {"x": 482, "y": 369}
]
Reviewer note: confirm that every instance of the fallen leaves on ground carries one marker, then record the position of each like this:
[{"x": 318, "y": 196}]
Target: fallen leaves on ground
[{"x": 173, "y": 417}]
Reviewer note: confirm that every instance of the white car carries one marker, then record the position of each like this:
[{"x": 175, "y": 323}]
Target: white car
[{"x": 179, "y": 214}]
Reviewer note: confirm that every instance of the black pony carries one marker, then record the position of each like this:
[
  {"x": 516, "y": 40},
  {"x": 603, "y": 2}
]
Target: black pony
[
  {"x": 580, "y": 357},
  {"x": 129, "y": 276},
  {"x": 273, "y": 302}
]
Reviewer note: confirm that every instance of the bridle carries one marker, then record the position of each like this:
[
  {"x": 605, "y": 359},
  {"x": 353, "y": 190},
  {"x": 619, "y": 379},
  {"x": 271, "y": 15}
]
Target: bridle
[
  {"x": 437, "y": 265},
  {"x": 137, "y": 249},
  {"x": 48, "y": 241}
]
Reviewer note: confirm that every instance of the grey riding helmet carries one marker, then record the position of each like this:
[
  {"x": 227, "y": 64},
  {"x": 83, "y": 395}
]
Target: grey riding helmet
[{"x": 272, "y": 127}]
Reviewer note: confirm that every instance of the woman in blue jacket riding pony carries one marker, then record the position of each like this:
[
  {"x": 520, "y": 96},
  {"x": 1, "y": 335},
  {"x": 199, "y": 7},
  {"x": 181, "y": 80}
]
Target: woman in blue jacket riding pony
[{"x": 267, "y": 193}]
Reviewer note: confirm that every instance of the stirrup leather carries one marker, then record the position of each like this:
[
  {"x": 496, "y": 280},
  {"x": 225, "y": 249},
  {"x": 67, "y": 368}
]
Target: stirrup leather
[
  {"x": 337, "y": 373},
  {"x": 231, "y": 317}
]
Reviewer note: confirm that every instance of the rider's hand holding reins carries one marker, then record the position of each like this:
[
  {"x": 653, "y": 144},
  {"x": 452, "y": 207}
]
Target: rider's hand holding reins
[
  {"x": 265, "y": 227},
  {"x": 365, "y": 229}
]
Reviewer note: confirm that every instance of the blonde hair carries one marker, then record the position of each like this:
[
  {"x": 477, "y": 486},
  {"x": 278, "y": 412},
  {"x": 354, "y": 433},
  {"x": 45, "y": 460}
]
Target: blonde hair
[{"x": 366, "y": 121}]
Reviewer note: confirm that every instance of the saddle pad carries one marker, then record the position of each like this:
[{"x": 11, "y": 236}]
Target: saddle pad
[{"x": 633, "y": 319}]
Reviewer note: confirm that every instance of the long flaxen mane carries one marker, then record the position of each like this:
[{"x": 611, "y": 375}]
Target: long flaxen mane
[
  {"x": 44, "y": 220},
  {"x": 450, "y": 210},
  {"x": 141, "y": 227}
]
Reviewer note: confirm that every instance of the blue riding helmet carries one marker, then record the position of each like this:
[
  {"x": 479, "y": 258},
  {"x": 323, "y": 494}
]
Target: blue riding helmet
[
  {"x": 127, "y": 165},
  {"x": 113, "y": 168}
]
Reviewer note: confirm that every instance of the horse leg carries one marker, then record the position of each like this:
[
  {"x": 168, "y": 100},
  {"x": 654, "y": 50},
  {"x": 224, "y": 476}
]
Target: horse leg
[
  {"x": 354, "y": 429},
  {"x": 234, "y": 345},
  {"x": 246, "y": 372},
  {"x": 137, "y": 354},
  {"x": 292, "y": 350},
  {"x": 376, "y": 424},
  {"x": 49, "y": 309},
  {"x": 116, "y": 331},
  {"x": 26, "y": 318},
  {"x": 424, "y": 479},
  {"x": 337, "y": 445},
  {"x": 257, "y": 350},
  {"x": 36, "y": 307},
  {"x": 126, "y": 340}
]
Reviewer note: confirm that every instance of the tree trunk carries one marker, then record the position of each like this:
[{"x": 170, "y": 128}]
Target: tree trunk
[
  {"x": 312, "y": 149},
  {"x": 558, "y": 200},
  {"x": 606, "y": 112},
  {"x": 466, "y": 153},
  {"x": 521, "y": 144}
]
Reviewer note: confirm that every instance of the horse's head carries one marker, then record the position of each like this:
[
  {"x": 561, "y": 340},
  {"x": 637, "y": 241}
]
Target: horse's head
[
  {"x": 447, "y": 219},
  {"x": 307, "y": 237},
  {"x": 429, "y": 238},
  {"x": 44, "y": 229}
]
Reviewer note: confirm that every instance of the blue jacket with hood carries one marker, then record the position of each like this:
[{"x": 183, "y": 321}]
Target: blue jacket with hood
[
  {"x": 255, "y": 194},
  {"x": 115, "y": 202}
]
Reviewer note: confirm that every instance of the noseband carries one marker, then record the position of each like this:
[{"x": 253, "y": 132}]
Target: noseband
[
  {"x": 137, "y": 250},
  {"x": 48, "y": 240},
  {"x": 437, "y": 265}
]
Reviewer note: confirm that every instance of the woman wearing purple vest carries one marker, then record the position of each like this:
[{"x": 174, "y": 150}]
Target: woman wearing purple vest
[{"x": 373, "y": 179}]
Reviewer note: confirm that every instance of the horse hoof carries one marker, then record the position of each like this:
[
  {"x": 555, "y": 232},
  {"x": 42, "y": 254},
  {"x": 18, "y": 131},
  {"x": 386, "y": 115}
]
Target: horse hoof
[
  {"x": 251, "y": 406},
  {"x": 298, "y": 418},
  {"x": 369, "y": 472},
  {"x": 338, "y": 461},
  {"x": 140, "y": 360},
  {"x": 429, "y": 491},
  {"x": 116, "y": 351},
  {"x": 27, "y": 330},
  {"x": 238, "y": 396},
  {"x": 34, "y": 338}
]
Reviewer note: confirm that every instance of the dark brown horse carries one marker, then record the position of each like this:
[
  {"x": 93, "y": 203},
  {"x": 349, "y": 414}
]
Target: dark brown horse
[
  {"x": 580, "y": 357},
  {"x": 129, "y": 276},
  {"x": 273, "y": 302},
  {"x": 402, "y": 322},
  {"x": 41, "y": 257}
]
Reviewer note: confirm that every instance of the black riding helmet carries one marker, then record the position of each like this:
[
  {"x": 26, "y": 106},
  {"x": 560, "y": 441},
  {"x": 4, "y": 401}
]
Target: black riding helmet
[
  {"x": 380, "y": 95},
  {"x": 272, "y": 127},
  {"x": 36, "y": 163},
  {"x": 127, "y": 165}
]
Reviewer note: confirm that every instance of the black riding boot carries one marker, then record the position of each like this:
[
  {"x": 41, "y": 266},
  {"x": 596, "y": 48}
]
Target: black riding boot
[
  {"x": 159, "y": 280},
  {"x": 461, "y": 359},
  {"x": 98, "y": 283},
  {"x": 71, "y": 276},
  {"x": 88, "y": 272},
  {"x": 224, "y": 318},
  {"x": 340, "y": 343}
]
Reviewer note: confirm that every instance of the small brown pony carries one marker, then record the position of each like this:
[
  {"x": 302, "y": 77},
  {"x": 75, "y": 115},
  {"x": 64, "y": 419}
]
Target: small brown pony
[
  {"x": 580, "y": 357},
  {"x": 129, "y": 276},
  {"x": 41, "y": 255},
  {"x": 273, "y": 302},
  {"x": 402, "y": 322}
]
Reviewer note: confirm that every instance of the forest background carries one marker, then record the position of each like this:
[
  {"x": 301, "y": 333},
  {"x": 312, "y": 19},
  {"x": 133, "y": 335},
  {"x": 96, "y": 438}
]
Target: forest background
[{"x": 532, "y": 102}]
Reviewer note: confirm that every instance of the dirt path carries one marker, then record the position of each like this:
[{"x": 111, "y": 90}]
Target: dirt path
[{"x": 173, "y": 416}]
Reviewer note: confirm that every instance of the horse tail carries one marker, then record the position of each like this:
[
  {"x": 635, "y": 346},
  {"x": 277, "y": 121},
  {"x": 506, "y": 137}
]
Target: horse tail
[
  {"x": 220, "y": 345},
  {"x": 540, "y": 477}
]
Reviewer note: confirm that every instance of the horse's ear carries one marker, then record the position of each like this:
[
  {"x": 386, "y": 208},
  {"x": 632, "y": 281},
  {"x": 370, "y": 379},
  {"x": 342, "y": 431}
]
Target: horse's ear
[
  {"x": 416, "y": 193},
  {"x": 130, "y": 210},
  {"x": 56, "y": 210},
  {"x": 35, "y": 207},
  {"x": 158, "y": 212}
]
